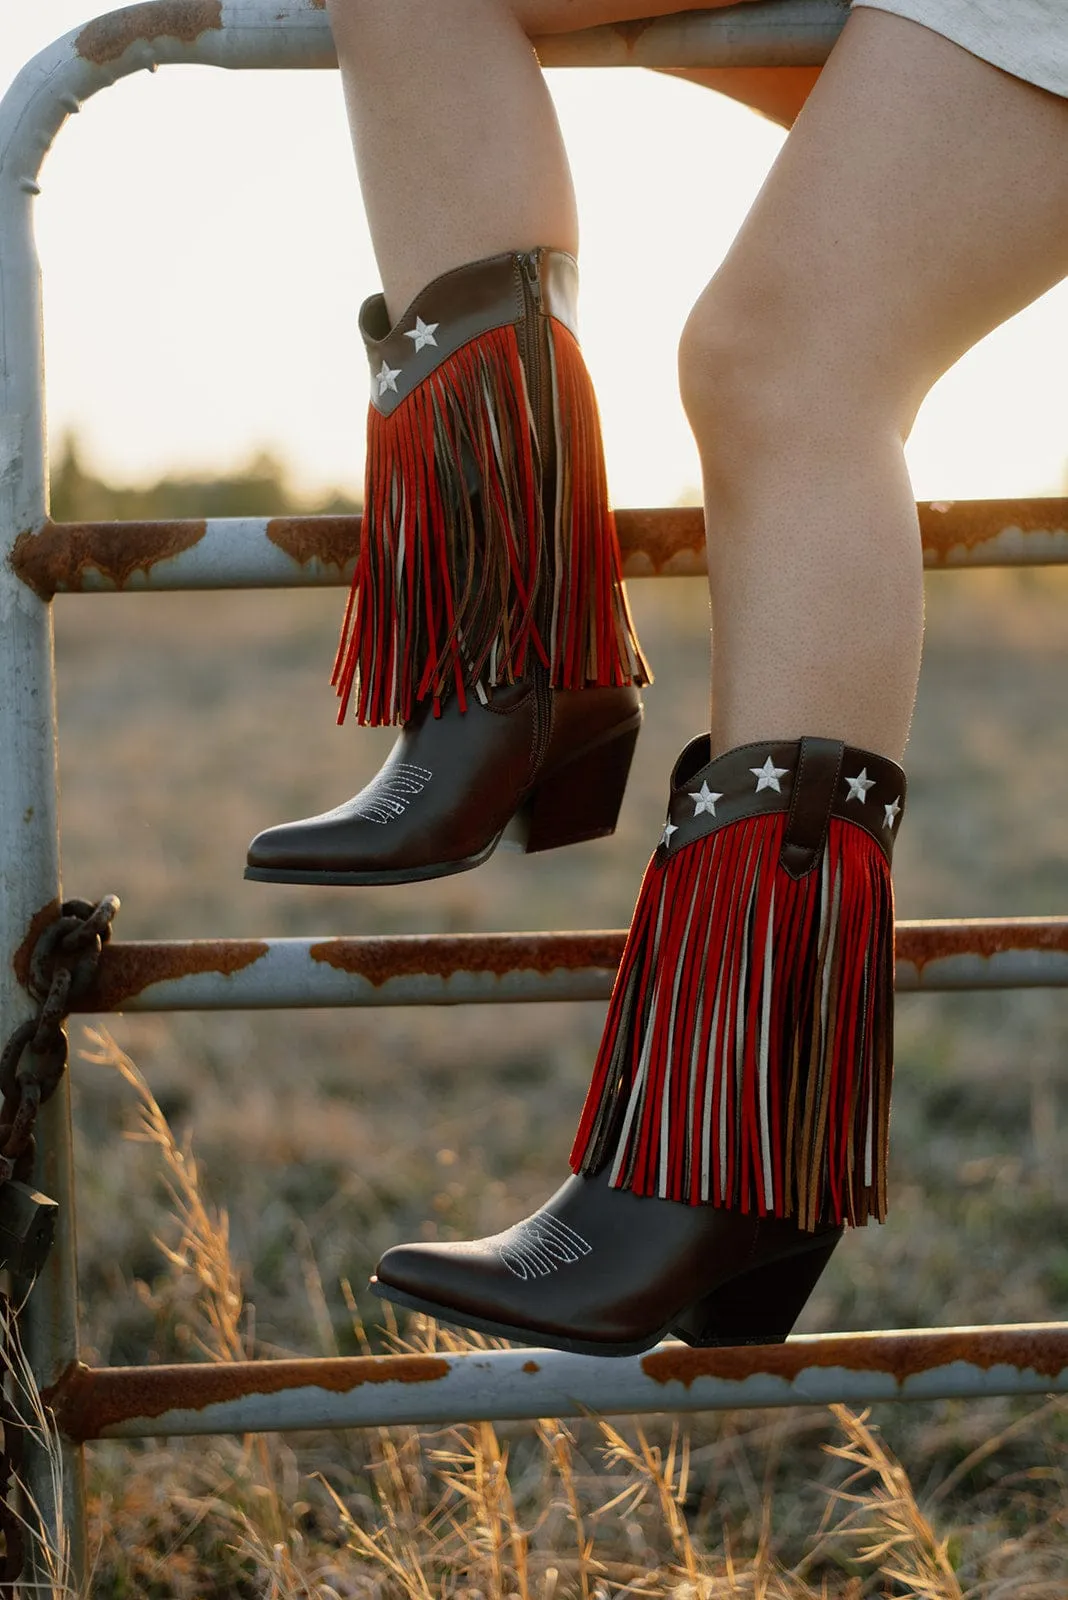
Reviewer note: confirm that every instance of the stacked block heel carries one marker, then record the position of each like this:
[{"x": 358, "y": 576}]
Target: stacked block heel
[
  {"x": 578, "y": 801},
  {"x": 757, "y": 1307}
]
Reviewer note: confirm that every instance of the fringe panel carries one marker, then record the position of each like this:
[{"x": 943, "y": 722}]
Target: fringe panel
[
  {"x": 451, "y": 554},
  {"x": 747, "y": 1056},
  {"x": 593, "y": 635},
  {"x": 457, "y": 586}
]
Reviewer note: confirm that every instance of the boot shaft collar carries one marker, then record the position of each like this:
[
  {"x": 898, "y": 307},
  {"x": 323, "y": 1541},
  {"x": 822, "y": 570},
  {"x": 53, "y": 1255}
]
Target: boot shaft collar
[
  {"x": 811, "y": 779},
  {"x": 460, "y": 306}
]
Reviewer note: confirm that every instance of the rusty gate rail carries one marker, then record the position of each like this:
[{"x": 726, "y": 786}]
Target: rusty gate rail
[
  {"x": 497, "y": 1385},
  {"x": 39, "y": 559},
  {"x": 493, "y": 969},
  {"x": 287, "y": 552}
]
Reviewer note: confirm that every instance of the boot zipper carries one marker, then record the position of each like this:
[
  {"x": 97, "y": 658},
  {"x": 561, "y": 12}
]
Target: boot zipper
[
  {"x": 537, "y": 364},
  {"x": 535, "y": 349},
  {"x": 543, "y": 700}
]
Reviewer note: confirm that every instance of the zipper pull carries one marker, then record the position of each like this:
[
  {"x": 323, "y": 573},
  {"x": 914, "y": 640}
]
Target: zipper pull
[{"x": 530, "y": 272}]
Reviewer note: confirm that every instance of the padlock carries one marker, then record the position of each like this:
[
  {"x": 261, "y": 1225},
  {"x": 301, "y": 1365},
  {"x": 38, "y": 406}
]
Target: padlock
[{"x": 27, "y": 1228}]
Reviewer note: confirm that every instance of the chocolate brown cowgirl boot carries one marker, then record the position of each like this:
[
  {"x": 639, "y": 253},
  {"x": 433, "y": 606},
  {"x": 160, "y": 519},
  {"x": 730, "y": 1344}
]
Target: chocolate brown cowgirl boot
[
  {"x": 487, "y": 614},
  {"x": 738, "y": 1113}
]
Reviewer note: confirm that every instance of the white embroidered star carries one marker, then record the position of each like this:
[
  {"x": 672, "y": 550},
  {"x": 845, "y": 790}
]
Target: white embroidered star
[
  {"x": 859, "y": 786},
  {"x": 386, "y": 378},
  {"x": 892, "y": 813},
  {"x": 423, "y": 333},
  {"x": 704, "y": 800},
  {"x": 665, "y": 837},
  {"x": 768, "y": 776}
]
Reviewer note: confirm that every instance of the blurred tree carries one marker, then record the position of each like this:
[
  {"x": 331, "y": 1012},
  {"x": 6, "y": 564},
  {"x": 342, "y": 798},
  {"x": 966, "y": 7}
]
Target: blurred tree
[{"x": 262, "y": 489}]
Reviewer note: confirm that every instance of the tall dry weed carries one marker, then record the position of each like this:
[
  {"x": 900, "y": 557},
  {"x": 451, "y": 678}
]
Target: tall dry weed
[
  {"x": 254, "y": 1494},
  {"x": 472, "y": 1533},
  {"x": 201, "y": 1259},
  {"x": 885, "y": 1524},
  {"x": 466, "y": 1512},
  {"x": 50, "y": 1546}
]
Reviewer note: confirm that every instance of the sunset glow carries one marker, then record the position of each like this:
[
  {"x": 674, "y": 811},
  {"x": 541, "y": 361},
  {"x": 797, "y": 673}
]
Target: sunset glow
[{"x": 204, "y": 255}]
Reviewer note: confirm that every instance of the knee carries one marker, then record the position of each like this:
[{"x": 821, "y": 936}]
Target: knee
[
  {"x": 727, "y": 373},
  {"x": 764, "y": 365},
  {"x": 746, "y": 370}
]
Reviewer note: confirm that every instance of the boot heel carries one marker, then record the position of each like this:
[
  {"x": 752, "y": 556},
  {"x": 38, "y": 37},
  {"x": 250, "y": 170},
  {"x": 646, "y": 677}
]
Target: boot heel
[
  {"x": 578, "y": 801},
  {"x": 759, "y": 1307}
]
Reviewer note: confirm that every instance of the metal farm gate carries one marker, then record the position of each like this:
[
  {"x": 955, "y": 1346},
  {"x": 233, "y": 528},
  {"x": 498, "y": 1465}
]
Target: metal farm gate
[{"x": 41, "y": 559}]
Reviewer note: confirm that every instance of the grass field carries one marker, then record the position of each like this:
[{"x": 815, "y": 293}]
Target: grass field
[{"x": 187, "y": 723}]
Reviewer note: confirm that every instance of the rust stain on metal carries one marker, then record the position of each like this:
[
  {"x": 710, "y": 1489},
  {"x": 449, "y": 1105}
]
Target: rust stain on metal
[
  {"x": 127, "y": 969},
  {"x": 631, "y": 32},
  {"x": 950, "y": 526},
  {"x": 531, "y": 1366},
  {"x": 88, "y": 1401},
  {"x": 331, "y": 541},
  {"x": 57, "y": 557},
  {"x": 670, "y": 541},
  {"x": 921, "y": 943},
  {"x": 1042, "y": 1350},
  {"x": 109, "y": 37},
  {"x": 657, "y": 542},
  {"x": 664, "y": 542},
  {"x": 40, "y": 920},
  {"x": 379, "y": 960}
]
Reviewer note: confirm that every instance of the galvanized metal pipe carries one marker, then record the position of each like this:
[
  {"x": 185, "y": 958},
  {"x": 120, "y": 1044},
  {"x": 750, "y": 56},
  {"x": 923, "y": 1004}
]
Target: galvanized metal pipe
[
  {"x": 490, "y": 969},
  {"x": 774, "y": 33},
  {"x": 312, "y": 552},
  {"x": 498, "y": 1385},
  {"x": 29, "y": 841},
  {"x": 265, "y": 34}
]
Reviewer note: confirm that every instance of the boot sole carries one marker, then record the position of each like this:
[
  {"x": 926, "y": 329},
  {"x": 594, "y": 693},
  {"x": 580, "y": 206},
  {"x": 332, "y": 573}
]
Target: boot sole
[
  {"x": 505, "y": 1330},
  {"x": 438, "y": 869}
]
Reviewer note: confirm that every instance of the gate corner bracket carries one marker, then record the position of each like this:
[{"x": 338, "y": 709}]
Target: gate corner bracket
[{"x": 66, "y": 1398}]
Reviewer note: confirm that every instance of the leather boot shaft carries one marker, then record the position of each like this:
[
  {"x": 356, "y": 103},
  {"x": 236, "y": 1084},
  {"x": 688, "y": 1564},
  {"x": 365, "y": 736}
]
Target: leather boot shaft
[{"x": 488, "y": 547}]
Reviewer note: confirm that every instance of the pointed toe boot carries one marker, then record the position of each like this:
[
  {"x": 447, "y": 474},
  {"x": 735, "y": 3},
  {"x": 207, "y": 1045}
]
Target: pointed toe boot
[
  {"x": 546, "y": 768},
  {"x": 601, "y": 1271},
  {"x": 487, "y": 617},
  {"x": 738, "y": 1115}
]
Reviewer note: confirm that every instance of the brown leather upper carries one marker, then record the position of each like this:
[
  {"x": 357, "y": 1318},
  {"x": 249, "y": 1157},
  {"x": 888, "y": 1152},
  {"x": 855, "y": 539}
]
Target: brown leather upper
[
  {"x": 455, "y": 308},
  {"x": 819, "y": 773},
  {"x": 451, "y": 783},
  {"x": 810, "y": 779},
  {"x": 594, "y": 1262}
]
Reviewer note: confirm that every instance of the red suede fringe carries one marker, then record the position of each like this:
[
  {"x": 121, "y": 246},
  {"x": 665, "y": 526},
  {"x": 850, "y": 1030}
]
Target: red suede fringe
[
  {"x": 747, "y": 1057},
  {"x": 593, "y": 635},
  {"x": 459, "y": 583}
]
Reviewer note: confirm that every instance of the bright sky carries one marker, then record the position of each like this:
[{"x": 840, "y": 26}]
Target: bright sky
[{"x": 204, "y": 254}]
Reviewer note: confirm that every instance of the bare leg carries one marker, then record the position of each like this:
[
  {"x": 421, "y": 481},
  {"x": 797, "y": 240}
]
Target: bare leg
[
  {"x": 456, "y": 139},
  {"x": 921, "y": 200},
  {"x": 488, "y": 577}
]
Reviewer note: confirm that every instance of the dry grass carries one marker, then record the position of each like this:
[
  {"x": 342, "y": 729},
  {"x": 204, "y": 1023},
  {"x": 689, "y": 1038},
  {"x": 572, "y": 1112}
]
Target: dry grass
[
  {"x": 251, "y": 1495},
  {"x": 885, "y": 1523},
  {"x": 463, "y": 1513},
  {"x": 190, "y": 721},
  {"x": 52, "y": 1545}
]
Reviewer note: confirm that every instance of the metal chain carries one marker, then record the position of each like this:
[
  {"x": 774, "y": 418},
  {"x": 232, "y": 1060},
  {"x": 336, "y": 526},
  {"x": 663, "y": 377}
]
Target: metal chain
[{"x": 62, "y": 969}]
